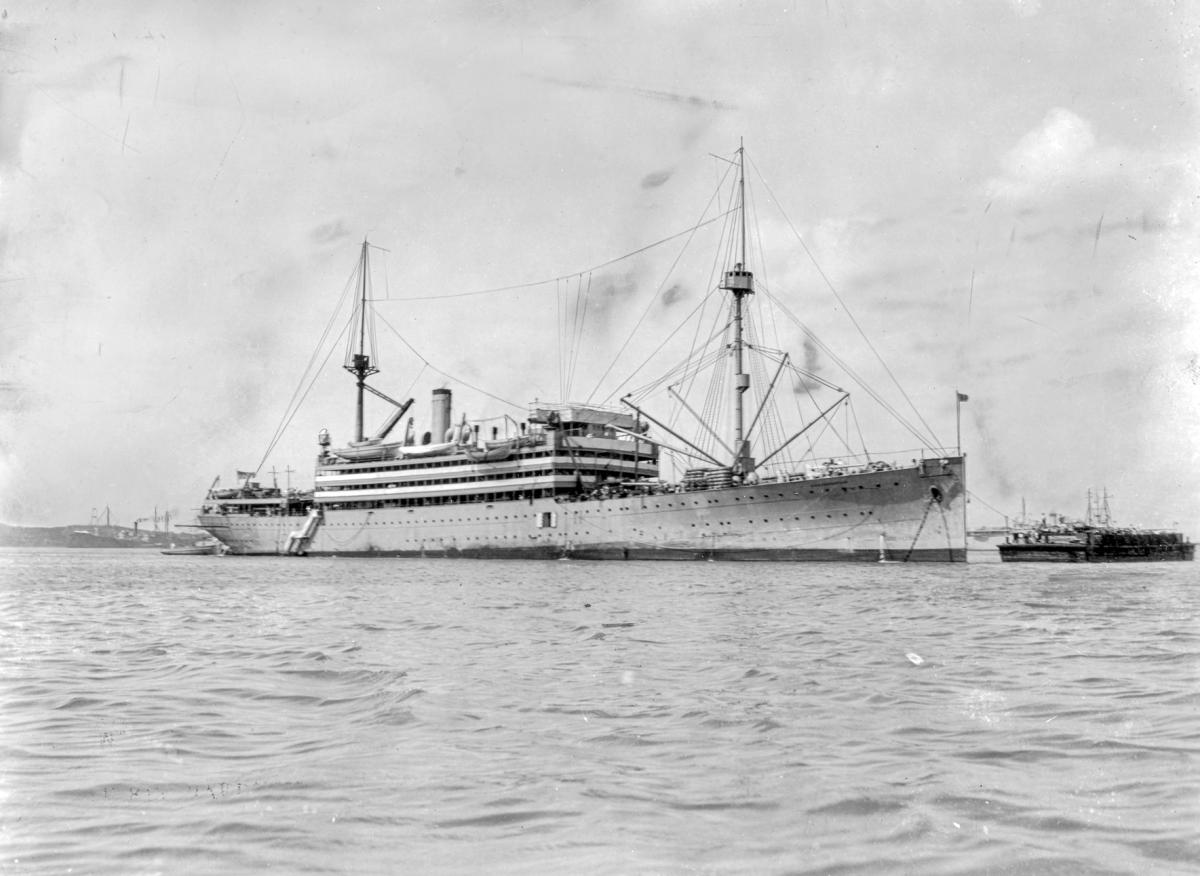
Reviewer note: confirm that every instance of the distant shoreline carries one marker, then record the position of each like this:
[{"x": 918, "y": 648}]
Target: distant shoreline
[{"x": 88, "y": 536}]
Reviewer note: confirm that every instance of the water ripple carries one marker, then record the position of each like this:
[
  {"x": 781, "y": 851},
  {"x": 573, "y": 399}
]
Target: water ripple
[{"x": 320, "y": 716}]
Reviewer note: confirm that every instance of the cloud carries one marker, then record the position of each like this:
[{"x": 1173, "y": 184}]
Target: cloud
[
  {"x": 1061, "y": 152},
  {"x": 331, "y": 232},
  {"x": 1026, "y": 8}
]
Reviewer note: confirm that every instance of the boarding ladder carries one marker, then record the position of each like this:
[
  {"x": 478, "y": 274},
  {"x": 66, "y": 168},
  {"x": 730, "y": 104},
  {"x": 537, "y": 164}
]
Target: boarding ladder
[{"x": 299, "y": 540}]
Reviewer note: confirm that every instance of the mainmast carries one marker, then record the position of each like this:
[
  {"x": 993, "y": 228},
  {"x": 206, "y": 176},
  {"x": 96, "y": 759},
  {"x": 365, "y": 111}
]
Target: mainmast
[
  {"x": 740, "y": 282},
  {"x": 359, "y": 364}
]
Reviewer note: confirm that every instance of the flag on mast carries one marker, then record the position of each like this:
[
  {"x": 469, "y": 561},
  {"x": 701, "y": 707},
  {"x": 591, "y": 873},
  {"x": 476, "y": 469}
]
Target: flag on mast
[{"x": 962, "y": 397}]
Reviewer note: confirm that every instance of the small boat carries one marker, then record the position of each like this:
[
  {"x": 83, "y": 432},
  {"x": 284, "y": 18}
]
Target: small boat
[
  {"x": 366, "y": 451},
  {"x": 209, "y": 546}
]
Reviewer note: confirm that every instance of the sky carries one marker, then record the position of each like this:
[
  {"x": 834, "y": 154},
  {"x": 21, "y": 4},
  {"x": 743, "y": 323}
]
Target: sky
[{"x": 1003, "y": 196}]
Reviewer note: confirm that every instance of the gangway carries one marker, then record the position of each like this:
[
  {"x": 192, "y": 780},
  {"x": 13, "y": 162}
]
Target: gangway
[{"x": 299, "y": 540}]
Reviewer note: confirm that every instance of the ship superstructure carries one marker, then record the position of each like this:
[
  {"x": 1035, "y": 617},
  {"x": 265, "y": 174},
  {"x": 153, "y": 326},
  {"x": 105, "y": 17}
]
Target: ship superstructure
[{"x": 587, "y": 480}]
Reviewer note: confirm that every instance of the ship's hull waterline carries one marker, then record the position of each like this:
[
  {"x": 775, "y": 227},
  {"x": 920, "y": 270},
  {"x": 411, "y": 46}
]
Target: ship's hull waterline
[{"x": 911, "y": 514}]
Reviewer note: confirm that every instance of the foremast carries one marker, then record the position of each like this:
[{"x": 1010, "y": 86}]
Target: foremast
[
  {"x": 739, "y": 282},
  {"x": 359, "y": 362}
]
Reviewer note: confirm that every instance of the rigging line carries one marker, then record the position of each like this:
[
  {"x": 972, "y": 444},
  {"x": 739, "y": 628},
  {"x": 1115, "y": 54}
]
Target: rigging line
[
  {"x": 713, "y": 403},
  {"x": 658, "y": 292},
  {"x": 727, "y": 233},
  {"x": 570, "y": 325},
  {"x": 288, "y": 412},
  {"x": 983, "y": 502},
  {"x": 713, "y": 270},
  {"x": 656, "y": 351},
  {"x": 692, "y": 364},
  {"x": 804, "y": 384},
  {"x": 576, "y": 332},
  {"x": 855, "y": 322},
  {"x": 295, "y": 409},
  {"x": 924, "y": 439},
  {"x": 808, "y": 390},
  {"x": 771, "y": 430},
  {"x": 354, "y": 311},
  {"x": 373, "y": 327},
  {"x": 633, "y": 332},
  {"x": 576, "y": 335},
  {"x": 582, "y": 311},
  {"x": 587, "y": 297},
  {"x": 844, "y": 437},
  {"x": 408, "y": 392},
  {"x": 534, "y": 284},
  {"x": 816, "y": 378},
  {"x": 680, "y": 374},
  {"x": 762, "y": 261},
  {"x": 571, "y": 317},
  {"x": 858, "y": 426},
  {"x": 558, "y": 325},
  {"x": 446, "y": 374}
]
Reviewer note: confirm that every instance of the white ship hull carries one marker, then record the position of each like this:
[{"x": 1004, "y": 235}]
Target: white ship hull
[
  {"x": 904, "y": 514},
  {"x": 585, "y": 480}
]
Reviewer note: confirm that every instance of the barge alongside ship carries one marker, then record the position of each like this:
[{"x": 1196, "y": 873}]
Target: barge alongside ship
[
  {"x": 1095, "y": 539},
  {"x": 582, "y": 480},
  {"x": 1099, "y": 545}
]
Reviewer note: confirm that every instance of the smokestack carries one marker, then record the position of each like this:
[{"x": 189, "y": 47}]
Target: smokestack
[{"x": 441, "y": 415}]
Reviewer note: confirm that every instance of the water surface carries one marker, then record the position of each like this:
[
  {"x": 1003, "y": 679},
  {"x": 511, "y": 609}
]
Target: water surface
[{"x": 241, "y": 715}]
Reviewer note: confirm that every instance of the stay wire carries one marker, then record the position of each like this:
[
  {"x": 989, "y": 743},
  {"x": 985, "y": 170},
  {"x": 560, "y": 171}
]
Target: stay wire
[
  {"x": 292, "y": 410},
  {"x": 658, "y": 292},
  {"x": 446, "y": 374},
  {"x": 534, "y": 284},
  {"x": 923, "y": 438},
  {"x": 656, "y": 350},
  {"x": 300, "y": 393},
  {"x": 833, "y": 290}
]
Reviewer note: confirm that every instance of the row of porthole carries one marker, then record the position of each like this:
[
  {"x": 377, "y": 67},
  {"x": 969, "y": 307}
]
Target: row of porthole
[
  {"x": 763, "y": 497},
  {"x": 506, "y": 517},
  {"x": 406, "y": 521},
  {"x": 782, "y": 519},
  {"x": 434, "y": 546}
]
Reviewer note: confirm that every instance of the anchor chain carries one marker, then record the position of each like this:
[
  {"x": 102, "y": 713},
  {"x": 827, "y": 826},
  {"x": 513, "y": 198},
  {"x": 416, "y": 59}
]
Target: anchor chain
[{"x": 933, "y": 501}]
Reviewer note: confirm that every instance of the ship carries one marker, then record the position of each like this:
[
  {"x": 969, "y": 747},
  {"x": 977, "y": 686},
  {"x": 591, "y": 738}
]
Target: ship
[
  {"x": 1095, "y": 539},
  {"x": 600, "y": 481}
]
